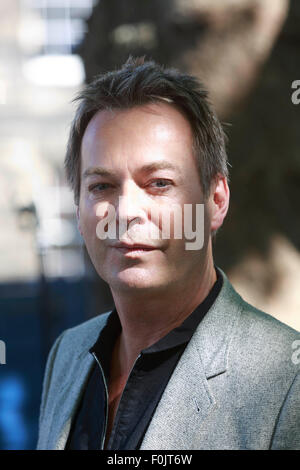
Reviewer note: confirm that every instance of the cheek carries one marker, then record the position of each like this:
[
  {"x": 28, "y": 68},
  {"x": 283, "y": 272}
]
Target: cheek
[
  {"x": 169, "y": 220},
  {"x": 207, "y": 222},
  {"x": 88, "y": 223}
]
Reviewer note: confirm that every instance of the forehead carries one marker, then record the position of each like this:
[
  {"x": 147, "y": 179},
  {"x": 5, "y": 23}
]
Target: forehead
[
  {"x": 161, "y": 120},
  {"x": 137, "y": 136}
]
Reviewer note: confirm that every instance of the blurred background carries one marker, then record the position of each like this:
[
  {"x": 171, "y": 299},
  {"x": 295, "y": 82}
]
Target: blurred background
[{"x": 247, "y": 52}]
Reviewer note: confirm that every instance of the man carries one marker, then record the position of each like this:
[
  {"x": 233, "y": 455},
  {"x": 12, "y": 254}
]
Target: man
[{"x": 182, "y": 362}]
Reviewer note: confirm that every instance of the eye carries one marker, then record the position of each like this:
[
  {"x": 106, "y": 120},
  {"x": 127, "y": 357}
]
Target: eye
[
  {"x": 160, "y": 183},
  {"x": 99, "y": 187}
]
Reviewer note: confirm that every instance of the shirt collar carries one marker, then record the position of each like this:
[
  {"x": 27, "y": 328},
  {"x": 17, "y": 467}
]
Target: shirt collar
[
  {"x": 183, "y": 333},
  {"x": 176, "y": 337}
]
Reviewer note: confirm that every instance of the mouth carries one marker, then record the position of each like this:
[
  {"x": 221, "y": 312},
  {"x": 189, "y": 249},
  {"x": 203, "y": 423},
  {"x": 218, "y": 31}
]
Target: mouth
[{"x": 134, "y": 250}]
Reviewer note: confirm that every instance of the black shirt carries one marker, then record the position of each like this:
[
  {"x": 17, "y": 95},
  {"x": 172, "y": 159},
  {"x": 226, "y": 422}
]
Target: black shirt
[{"x": 145, "y": 385}]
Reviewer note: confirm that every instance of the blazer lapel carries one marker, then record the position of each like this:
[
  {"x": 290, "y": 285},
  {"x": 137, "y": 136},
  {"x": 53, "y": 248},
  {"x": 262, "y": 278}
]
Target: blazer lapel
[
  {"x": 68, "y": 401},
  {"x": 187, "y": 401},
  {"x": 185, "y": 404},
  {"x": 70, "y": 391}
]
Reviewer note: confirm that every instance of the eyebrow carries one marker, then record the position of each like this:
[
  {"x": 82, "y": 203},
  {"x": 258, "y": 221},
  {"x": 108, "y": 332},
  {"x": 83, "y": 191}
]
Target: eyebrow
[
  {"x": 148, "y": 168},
  {"x": 98, "y": 170}
]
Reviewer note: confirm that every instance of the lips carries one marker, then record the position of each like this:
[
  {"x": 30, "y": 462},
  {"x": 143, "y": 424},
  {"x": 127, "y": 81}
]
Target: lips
[
  {"x": 135, "y": 247},
  {"x": 134, "y": 250}
]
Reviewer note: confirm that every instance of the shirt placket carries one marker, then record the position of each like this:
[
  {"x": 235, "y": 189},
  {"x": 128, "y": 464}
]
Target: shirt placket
[{"x": 126, "y": 406}]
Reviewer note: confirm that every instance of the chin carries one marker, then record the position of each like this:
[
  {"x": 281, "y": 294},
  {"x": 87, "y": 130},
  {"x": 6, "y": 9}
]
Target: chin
[{"x": 134, "y": 279}]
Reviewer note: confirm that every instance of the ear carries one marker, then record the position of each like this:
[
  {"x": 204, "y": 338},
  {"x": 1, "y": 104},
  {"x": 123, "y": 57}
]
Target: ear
[
  {"x": 219, "y": 202},
  {"x": 78, "y": 220}
]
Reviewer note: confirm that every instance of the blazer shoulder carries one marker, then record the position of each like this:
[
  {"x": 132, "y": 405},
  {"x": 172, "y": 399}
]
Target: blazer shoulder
[
  {"x": 257, "y": 319},
  {"x": 89, "y": 325},
  {"x": 84, "y": 335},
  {"x": 76, "y": 340},
  {"x": 254, "y": 317},
  {"x": 70, "y": 346},
  {"x": 245, "y": 336},
  {"x": 267, "y": 341}
]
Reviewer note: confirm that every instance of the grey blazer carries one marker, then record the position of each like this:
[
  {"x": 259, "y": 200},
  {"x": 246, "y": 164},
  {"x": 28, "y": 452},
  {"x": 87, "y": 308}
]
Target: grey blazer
[{"x": 236, "y": 386}]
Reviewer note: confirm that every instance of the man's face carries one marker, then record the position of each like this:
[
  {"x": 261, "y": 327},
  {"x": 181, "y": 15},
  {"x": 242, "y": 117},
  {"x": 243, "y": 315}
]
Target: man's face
[{"x": 140, "y": 162}]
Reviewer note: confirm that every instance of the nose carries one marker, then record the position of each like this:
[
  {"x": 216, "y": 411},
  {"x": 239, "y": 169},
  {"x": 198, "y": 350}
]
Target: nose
[{"x": 131, "y": 205}]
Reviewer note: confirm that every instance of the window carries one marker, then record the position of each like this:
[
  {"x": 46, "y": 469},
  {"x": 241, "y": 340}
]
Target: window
[{"x": 62, "y": 23}]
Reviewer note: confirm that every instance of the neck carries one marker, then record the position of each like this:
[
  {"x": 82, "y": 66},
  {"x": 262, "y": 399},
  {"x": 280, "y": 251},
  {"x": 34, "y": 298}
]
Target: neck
[{"x": 146, "y": 320}]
